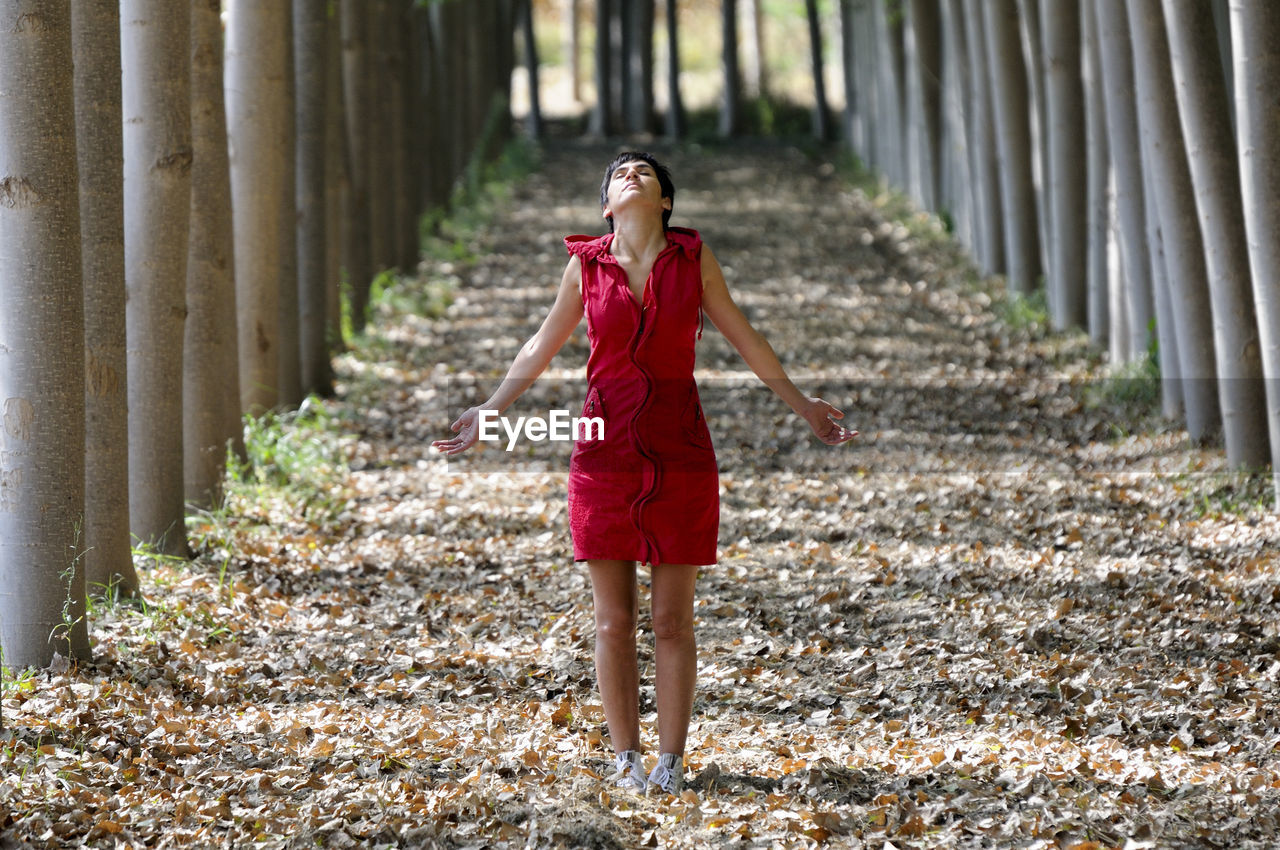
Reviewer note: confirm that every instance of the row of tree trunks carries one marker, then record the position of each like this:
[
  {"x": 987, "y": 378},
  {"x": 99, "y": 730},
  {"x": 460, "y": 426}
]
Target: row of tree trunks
[
  {"x": 1120, "y": 186},
  {"x": 171, "y": 201}
]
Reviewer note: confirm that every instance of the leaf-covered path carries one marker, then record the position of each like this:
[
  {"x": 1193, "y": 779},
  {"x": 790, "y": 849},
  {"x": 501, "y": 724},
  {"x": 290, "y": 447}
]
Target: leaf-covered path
[{"x": 994, "y": 620}]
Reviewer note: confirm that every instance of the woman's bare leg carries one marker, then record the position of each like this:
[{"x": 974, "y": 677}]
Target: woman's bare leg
[
  {"x": 616, "y": 600},
  {"x": 676, "y": 652}
]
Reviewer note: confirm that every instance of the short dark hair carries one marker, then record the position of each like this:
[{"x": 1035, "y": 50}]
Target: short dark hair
[{"x": 664, "y": 180}]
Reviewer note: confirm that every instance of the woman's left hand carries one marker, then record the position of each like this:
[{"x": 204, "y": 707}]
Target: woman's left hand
[{"x": 821, "y": 417}]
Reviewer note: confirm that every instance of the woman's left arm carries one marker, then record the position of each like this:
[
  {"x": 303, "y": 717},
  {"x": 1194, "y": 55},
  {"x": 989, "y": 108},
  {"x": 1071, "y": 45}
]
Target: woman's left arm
[{"x": 720, "y": 308}]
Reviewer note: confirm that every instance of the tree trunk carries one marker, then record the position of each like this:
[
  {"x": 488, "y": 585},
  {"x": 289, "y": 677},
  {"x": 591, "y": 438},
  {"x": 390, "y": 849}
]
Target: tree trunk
[
  {"x": 1165, "y": 158},
  {"x": 358, "y": 100},
  {"x": 924, "y": 71},
  {"x": 336, "y": 184},
  {"x": 890, "y": 100},
  {"x": 675, "y": 104},
  {"x": 601, "y": 114},
  {"x": 210, "y": 384},
  {"x": 1255, "y": 36},
  {"x": 821, "y": 112},
  {"x": 156, "y": 61},
  {"x": 310, "y": 49},
  {"x": 108, "y": 557},
  {"x": 1013, "y": 135},
  {"x": 534, "y": 125},
  {"x": 255, "y": 78},
  {"x": 382, "y": 177},
  {"x": 984, "y": 164},
  {"x": 1064, "y": 147},
  {"x": 572, "y": 50},
  {"x": 731, "y": 102},
  {"x": 1101, "y": 291},
  {"x": 1125, "y": 148},
  {"x": 1211, "y": 154},
  {"x": 754, "y": 67},
  {"x": 42, "y": 472},
  {"x": 640, "y": 60},
  {"x": 1033, "y": 57},
  {"x": 853, "y": 128},
  {"x": 957, "y": 191}
]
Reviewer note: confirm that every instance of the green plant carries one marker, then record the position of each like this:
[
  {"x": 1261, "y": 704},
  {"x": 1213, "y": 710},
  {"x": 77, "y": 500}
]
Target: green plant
[{"x": 1025, "y": 312}]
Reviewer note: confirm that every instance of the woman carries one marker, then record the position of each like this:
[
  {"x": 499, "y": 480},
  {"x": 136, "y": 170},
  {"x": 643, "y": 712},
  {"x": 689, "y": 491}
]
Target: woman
[{"x": 646, "y": 491}]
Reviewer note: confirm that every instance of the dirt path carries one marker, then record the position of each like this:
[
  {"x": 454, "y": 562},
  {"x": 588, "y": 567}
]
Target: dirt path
[{"x": 993, "y": 620}]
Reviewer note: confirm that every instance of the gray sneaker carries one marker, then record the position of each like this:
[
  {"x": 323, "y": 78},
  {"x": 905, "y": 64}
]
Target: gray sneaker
[
  {"x": 668, "y": 773},
  {"x": 629, "y": 772}
]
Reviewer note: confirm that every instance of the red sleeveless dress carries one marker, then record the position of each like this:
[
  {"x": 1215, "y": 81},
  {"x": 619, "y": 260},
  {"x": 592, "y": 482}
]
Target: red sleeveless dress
[{"x": 649, "y": 490}]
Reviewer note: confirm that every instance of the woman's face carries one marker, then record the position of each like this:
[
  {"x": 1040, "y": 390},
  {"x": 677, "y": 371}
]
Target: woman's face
[{"x": 635, "y": 184}]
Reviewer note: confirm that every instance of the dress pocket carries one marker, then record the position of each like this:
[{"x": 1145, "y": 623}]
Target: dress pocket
[
  {"x": 695, "y": 425},
  {"x": 593, "y": 408}
]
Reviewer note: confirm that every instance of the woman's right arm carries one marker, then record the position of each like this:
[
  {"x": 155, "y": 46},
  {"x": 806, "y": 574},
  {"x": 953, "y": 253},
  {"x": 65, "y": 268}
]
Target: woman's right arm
[{"x": 529, "y": 363}]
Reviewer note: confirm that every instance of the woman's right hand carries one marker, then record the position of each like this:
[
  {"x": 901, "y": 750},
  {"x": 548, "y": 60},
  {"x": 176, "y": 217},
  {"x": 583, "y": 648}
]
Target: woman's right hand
[{"x": 467, "y": 429}]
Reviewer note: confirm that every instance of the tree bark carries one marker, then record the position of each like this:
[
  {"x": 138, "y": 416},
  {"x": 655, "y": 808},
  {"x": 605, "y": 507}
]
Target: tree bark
[
  {"x": 957, "y": 187},
  {"x": 1211, "y": 155},
  {"x": 530, "y": 42},
  {"x": 1064, "y": 147},
  {"x": 310, "y": 49},
  {"x": 1101, "y": 291},
  {"x": 1165, "y": 158},
  {"x": 1033, "y": 57},
  {"x": 984, "y": 164},
  {"x": 211, "y": 379},
  {"x": 731, "y": 102},
  {"x": 675, "y": 104},
  {"x": 108, "y": 556},
  {"x": 821, "y": 112},
  {"x": 602, "y": 113},
  {"x": 336, "y": 183},
  {"x": 1125, "y": 148},
  {"x": 923, "y": 65},
  {"x": 755, "y": 72},
  {"x": 1255, "y": 37},
  {"x": 42, "y": 472},
  {"x": 255, "y": 78},
  {"x": 156, "y": 62},
  {"x": 853, "y": 128},
  {"x": 358, "y": 100},
  {"x": 890, "y": 98},
  {"x": 1013, "y": 135}
]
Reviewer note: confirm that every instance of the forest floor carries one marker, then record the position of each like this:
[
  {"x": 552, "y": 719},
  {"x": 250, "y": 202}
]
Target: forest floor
[{"x": 1015, "y": 612}]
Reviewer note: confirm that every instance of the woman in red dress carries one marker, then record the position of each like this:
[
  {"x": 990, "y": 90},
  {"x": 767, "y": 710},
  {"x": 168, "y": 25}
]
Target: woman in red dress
[{"x": 646, "y": 491}]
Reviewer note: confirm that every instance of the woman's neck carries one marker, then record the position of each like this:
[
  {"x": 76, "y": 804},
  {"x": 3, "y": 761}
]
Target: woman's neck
[{"x": 638, "y": 238}]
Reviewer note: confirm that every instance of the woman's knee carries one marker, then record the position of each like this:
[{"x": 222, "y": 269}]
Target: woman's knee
[
  {"x": 616, "y": 625},
  {"x": 672, "y": 625}
]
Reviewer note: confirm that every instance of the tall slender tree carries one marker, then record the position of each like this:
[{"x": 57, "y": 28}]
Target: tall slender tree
[
  {"x": 336, "y": 181},
  {"x": 923, "y": 44},
  {"x": 1211, "y": 154},
  {"x": 289, "y": 350},
  {"x": 1165, "y": 161},
  {"x": 357, "y": 98},
  {"x": 108, "y": 557},
  {"x": 1065, "y": 173},
  {"x": 984, "y": 165},
  {"x": 1103, "y": 293},
  {"x": 310, "y": 51},
  {"x": 42, "y": 415},
  {"x": 255, "y": 72},
  {"x": 1255, "y": 41},
  {"x": 529, "y": 44},
  {"x": 1013, "y": 135},
  {"x": 731, "y": 93},
  {"x": 155, "y": 46},
  {"x": 675, "y": 104},
  {"x": 956, "y": 185},
  {"x": 211, "y": 377},
  {"x": 1124, "y": 147},
  {"x": 821, "y": 111}
]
